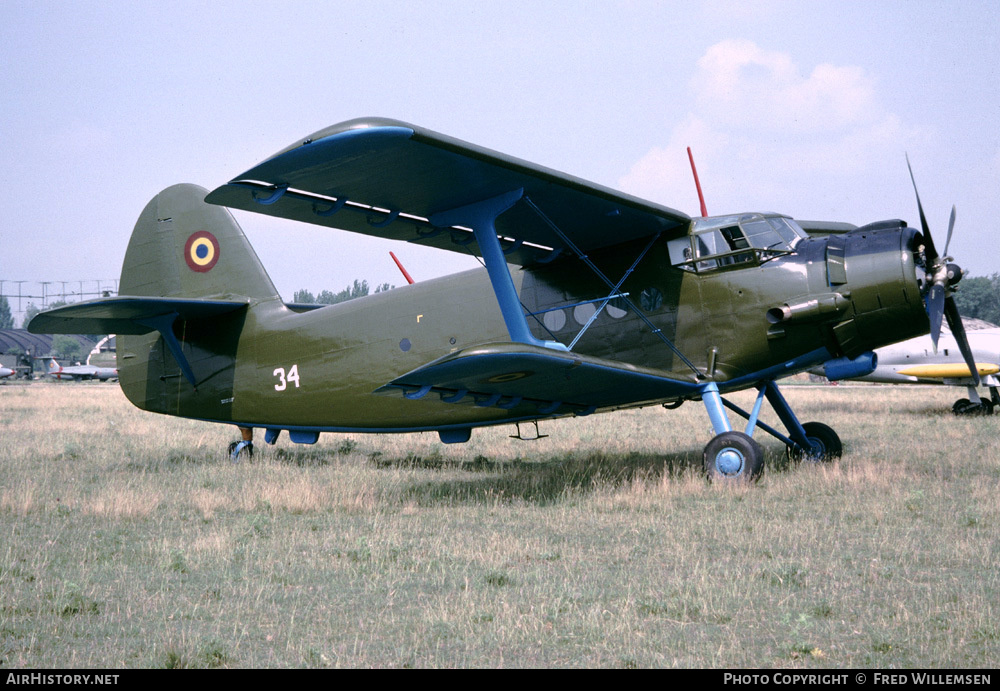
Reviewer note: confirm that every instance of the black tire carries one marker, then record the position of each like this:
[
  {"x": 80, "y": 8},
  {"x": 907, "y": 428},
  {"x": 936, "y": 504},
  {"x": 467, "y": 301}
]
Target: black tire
[
  {"x": 245, "y": 452},
  {"x": 826, "y": 444},
  {"x": 733, "y": 457},
  {"x": 966, "y": 407}
]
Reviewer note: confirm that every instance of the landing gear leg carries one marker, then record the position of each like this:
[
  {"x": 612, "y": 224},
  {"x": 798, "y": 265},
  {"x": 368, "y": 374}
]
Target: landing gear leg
[
  {"x": 811, "y": 441},
  {"x": 243, "y": 447},
  {"x": 731, "y": 457}
]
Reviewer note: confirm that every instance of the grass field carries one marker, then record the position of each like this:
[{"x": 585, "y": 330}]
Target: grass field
[{"x": 128, "y": 539}]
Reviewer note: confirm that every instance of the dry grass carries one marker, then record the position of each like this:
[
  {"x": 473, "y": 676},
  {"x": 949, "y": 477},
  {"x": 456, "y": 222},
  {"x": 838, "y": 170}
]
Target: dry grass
[{"x": 128, "y": 540}]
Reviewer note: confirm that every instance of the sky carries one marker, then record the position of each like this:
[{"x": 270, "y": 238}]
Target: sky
[{"x": 804, "y": 108}]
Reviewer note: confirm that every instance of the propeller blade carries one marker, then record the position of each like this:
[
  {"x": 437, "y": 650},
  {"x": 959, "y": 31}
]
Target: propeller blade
[
  {"x": 929, "y": 250},
  {"x": 935, "y": 310},
  {"x": 951, "y": 227},
  {"x": 958, "y": 331}
]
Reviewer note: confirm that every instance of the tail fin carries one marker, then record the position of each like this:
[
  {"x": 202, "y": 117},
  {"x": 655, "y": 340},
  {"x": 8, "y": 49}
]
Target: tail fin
[
  {"x": 54, "y": 366},
  {"x": 188, "y": 281},
  {"x": 182, "y": 247}
]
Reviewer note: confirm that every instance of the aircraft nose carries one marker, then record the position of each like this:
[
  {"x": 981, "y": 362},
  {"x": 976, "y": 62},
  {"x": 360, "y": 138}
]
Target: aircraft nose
[{"x": 875, "y": 266}]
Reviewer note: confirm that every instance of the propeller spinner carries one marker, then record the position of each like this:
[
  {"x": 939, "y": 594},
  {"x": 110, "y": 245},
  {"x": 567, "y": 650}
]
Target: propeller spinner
[{"x": 940, "y": 280}]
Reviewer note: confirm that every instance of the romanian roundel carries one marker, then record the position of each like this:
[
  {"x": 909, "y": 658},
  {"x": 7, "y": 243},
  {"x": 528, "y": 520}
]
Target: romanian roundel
[{"x": 201, "y": 251}]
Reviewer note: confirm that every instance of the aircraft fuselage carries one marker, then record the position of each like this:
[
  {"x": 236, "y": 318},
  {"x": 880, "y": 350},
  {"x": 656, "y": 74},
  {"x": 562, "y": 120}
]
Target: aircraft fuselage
[{"x": 317, "y": 369}]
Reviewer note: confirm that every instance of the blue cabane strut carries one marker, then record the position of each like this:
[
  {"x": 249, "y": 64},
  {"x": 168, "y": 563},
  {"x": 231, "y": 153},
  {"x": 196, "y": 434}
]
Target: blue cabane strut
[{"x": 481, "y": 217}]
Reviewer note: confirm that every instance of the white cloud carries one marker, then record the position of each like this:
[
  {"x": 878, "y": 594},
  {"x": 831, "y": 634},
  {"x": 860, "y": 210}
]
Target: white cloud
[
  {"x": 739, "y": 83},
  {"x": 766, "y": 134}
]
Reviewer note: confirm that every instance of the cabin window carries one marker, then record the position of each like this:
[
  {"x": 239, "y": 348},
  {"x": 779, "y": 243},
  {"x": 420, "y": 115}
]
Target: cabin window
[
  {"x": 651, "y": 299},
  {"x": 554, "y": 320},
  {"x": 583, "y": 313},
  {"x": 718, "y": 241},
  {"x": 617, "y": 307}
]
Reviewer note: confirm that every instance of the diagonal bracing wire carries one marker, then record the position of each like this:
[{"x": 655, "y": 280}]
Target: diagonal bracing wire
[{"x": 600, "y": 274}]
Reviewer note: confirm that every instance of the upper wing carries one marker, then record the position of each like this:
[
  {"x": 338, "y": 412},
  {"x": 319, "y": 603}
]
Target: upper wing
[{"x": 387, "y": 178}]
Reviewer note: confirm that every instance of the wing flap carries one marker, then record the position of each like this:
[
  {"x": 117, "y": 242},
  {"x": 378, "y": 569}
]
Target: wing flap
[
  {"x": 387, "y": 178},
  {"x": 509, "y": 375}
]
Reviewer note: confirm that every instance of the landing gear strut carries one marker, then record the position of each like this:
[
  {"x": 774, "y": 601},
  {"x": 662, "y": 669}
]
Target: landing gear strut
[{"x": 733, "y": 456}]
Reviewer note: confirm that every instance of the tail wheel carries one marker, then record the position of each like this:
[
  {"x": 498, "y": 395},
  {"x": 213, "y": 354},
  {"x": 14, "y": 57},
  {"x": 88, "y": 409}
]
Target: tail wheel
[
  {"x": 733, "y": 457},
  {"x": 825, "y": 444},
  {"x": 240, "y": 449}
]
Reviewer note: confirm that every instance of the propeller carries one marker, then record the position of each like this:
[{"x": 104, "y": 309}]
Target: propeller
[{"x": 940, "y": 279}]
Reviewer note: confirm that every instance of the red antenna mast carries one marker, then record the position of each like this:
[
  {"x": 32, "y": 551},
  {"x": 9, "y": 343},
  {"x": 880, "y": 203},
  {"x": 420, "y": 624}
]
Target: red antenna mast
[
  {"x": 701, "y": 197},
  {"x": 406, "y": 275}
]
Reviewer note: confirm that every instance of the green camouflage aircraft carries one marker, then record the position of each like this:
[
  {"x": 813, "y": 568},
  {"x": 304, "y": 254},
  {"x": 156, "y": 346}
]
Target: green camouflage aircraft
[{"x": 591, "y": 301}]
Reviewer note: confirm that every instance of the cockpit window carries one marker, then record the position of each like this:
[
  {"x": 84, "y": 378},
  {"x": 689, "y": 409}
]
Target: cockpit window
[{"x": 717, "y": 242}]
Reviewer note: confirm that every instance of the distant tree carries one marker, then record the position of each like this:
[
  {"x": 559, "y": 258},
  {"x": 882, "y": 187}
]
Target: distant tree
[
  {"x": 359, "y": 289},
  {"x": 979, "y": 298},
  {"x": 66, "y": 347},
  {"x": 356, "y": 290},
  {"x": 6, "y": 318},
  {"x": 29, "y": 312},
  {"x": 325, "y": 297}
]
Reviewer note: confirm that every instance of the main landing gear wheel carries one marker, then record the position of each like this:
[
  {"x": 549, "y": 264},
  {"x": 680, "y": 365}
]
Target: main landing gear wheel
[
  {"x": 964, "y": 406},
  {"x": 825, "y": 443},
  {"x": 733, "y": 457}
]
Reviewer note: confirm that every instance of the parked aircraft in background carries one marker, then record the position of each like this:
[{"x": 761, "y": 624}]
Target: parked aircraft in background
[
  {"x": 81, "y": 372},
  {"x": 612, "y": 301},
  {"x": 915, "y": 362},
  {"x": 5, "y": 372}
]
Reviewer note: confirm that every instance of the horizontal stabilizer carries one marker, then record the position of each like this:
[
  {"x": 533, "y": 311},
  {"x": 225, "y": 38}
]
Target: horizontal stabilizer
[
  {"x": 134, "y": 316},
  {"x": 126, "y": 315},
  {"x": 510, "y": 375},
  {"x": 388, "y": 179}
]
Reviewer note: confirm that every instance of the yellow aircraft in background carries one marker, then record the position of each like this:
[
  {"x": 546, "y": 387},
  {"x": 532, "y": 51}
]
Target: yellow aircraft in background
[{"x": 915, "y": 362}]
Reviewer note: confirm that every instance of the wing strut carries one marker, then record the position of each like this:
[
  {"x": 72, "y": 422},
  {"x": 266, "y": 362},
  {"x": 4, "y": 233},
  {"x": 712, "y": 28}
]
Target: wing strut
[
  {"x": 614, "y": 288},
  {"x": 481, "y": 217}
]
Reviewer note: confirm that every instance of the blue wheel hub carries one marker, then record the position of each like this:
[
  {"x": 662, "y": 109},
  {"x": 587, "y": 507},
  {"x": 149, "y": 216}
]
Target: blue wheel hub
[{"x": 730, "y": 461}]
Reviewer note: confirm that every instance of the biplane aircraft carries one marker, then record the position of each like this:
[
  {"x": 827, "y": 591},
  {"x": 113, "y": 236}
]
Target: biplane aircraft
[{"x": 591, "y": 300}]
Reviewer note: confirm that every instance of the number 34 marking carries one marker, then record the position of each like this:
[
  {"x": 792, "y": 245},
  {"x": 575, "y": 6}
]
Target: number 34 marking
[{"x": 283, "y": 379}]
